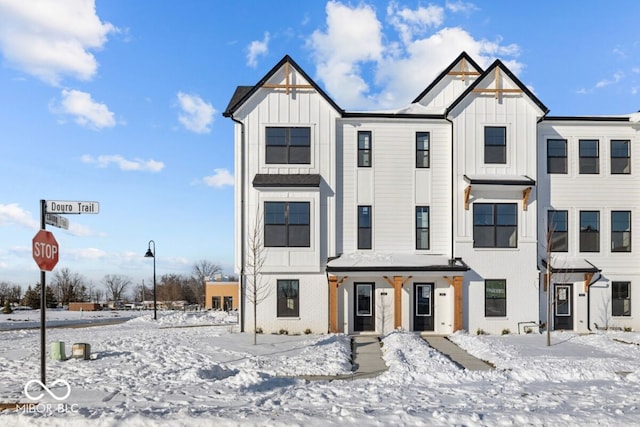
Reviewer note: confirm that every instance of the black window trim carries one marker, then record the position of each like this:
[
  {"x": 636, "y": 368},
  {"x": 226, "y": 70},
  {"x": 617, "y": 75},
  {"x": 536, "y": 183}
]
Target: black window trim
[
  {"x": 495, "y": 226},
  {"x": 287, "y": 225},
  {"x": 565, "y": 157},
  {"x": 614, "y": 306},
  {"x": 628, "y": 212},
  {"x": 296, "y": 311},
  {"x": 366, "y": 229},
  {"x": 503, "y": 161},
  {"x": 504, "y": 283},
  {"x": 365, "y": 150},
  {"x": 599, "y": 226},
  {"x": 628, "y": 156},
  {"x": 554, "y": 233},
  {"x": 422, "y": 153},
  {"x": 287, "y": 145},
  {"x": 581, "y": 156},
  {"x": 427, "y": 228}
]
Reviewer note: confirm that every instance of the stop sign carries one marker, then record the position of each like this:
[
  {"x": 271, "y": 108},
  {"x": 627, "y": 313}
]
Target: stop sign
[{"x": 45, "y": 250}]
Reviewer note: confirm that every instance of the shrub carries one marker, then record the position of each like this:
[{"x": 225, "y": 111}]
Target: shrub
[
  {"x": 628, "y": 329},
  {"x": 307, "y": 331},
  {"x": 259, "y": 330},
  {"x": 7, "y": 308},
  {"x": 506, "y": 331},
  {"x": 528, "y": 330},
  {"x": 481, "y": 331},
  {"x": 283, "y": 332}
]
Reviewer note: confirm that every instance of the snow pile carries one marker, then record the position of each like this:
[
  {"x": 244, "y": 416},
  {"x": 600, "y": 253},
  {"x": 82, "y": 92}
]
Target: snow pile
[{"x": 189, "y": 318}]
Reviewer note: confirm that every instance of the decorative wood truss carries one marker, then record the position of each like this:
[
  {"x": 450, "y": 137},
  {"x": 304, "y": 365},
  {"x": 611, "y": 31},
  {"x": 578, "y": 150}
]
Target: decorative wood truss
[
  {"x": 497, "y": 90},
  {"x": 287, "y": 86},
  {"x": 464, "y": 71},
  {"x": 525, "y": 197}
]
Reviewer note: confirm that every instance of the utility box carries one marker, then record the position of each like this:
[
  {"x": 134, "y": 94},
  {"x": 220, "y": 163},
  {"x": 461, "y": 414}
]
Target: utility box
[
  {"x": 57, "y": 350},
  {"x": 81, "y": 351}
]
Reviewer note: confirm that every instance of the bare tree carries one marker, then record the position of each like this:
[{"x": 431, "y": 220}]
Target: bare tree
[
  {"x": 203, "y": 270},
  {"x": 116, "y": 286},
  {"x": 256, "y": 290},
  {"x": 97, "y": 295},
  {"x": 68, "y": 286}
]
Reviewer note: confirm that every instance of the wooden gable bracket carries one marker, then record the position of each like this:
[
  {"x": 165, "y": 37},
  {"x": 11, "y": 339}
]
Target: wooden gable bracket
[
  {"x": 587, "y": 281},
  {"x": 498, "y": 90},
  {"x": 287, "y": 85},
  {"x": 467, "y": 193},
  {"x": 525, "y": 197},
  {"x": 464, "y": 71}
]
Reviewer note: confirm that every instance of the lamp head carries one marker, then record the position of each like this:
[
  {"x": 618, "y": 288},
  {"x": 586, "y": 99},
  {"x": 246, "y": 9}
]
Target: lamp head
[{"x": 149, "y": 254}]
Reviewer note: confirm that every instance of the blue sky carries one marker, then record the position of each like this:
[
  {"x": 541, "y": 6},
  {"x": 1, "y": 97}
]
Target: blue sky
[{"x": 121, "y": 102}]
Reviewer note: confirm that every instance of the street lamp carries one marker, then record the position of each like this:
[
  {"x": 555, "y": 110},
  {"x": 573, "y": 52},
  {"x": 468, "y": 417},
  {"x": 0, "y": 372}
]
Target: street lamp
[{"x": 152, "y": 254}]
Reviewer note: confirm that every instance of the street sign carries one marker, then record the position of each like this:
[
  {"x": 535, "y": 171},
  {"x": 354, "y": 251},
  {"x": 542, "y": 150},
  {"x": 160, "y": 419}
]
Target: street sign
[
  {"x": 72, "y": 207},
  {"x": 45, "y": 250},
  {"x": 57, "y": 221}
]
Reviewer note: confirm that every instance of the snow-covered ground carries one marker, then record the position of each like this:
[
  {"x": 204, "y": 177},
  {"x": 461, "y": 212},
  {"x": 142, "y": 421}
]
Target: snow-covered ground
[{"x": 183, "y": 371}]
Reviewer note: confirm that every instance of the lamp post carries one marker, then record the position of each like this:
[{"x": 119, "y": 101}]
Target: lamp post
[{"x": 152, "y": 254}]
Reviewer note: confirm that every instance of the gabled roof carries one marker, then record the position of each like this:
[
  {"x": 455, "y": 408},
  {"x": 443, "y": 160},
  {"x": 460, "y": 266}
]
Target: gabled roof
[
  {"x": 442, "y": 75},
  {"x": 243, "y": 93},
  {"x": 498, "y": 64}
]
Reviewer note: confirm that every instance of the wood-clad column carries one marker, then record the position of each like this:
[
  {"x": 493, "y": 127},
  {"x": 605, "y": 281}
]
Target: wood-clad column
[
  {"x": 456, "y": 283},
  {"x": 397, "y": 301},
  {"x": 333, "y": 304}
]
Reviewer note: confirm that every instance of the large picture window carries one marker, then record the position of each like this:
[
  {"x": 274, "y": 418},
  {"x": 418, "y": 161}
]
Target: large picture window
[
  {"x": 620, "y": 157},
  {"x": 495, "y": 298},
  {"x": 288, "y": 145},
  {"x": 422, "y": 149},
  {"x": 364, "y": 227},
  {"x": 589, "y": 156},
  {"x": 495, "y": 144},
  {"x": 495, "y": 225},
  {"x": 422, "y": 227},
  {"x": 620, "y": 298},
  {"x": 286, "y": 224},
  {"x": 288, "y": 298},
  {"x": 557, "y": 156},
  {"x": 620, "y": 231},
  {"x": 558, "y": 231},
  {"x": 364, "y": 149},
  {"x": 589, "y": 231}
]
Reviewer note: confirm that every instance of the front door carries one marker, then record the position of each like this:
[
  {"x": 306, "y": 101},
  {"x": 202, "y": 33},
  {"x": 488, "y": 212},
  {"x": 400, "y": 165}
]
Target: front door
[
  {"x": 423, "y": 307},
  {"x": 563, "y": 307},
  {"x": 364, "y": 313}
]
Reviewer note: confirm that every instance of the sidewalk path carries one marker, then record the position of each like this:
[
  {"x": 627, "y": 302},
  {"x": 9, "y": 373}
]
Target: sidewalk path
[{"x": 456, "y": 354}]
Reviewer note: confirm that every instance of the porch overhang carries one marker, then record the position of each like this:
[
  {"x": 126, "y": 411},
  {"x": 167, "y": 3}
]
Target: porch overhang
[
  {"x": 499, "y": 183},
  {"x": 394, "y": 263},
  {"x": 568, "y": 265}
]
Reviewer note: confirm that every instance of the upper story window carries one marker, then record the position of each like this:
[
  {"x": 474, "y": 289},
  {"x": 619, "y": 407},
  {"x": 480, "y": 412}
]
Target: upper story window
[
  {"x": 558, "y": 238},
  {"x": 422, "y": 227},
  {"x": 422, "y": 149},
  {"x": 364, "y": 148},
  {"x": 589, "y": 231},
  {"x": 495, "y": 144},
  {"x": 495, "y": 225},
  {"x": 288, "y": 145},
  {"x": 556, "y": 156},
  {"x": 589, "y": 156},
  {"x": 286, "y": 224},
  {"x": 620, "y": 231},
  {"x": 364, "y": 227},
  {"x": 620, "y": 157}
]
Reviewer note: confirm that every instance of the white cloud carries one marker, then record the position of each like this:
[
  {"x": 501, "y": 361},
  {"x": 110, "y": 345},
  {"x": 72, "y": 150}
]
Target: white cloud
[
  {"x": 221, "y": 178},
  {"x": 617, "y": 76},
  {"x": 401, "y": 69},
  {"x": 460, "y": 7},
  {"x": 256, "y": 48},
  {"x": 85, "y": 110},
  {"x": 50, "y": 39},
  {"x": 635, "y": 70},
  {"x": 104, "y": 161},
  {"x": 196, "y": 115},
  {"x": 13, "y": 214}
]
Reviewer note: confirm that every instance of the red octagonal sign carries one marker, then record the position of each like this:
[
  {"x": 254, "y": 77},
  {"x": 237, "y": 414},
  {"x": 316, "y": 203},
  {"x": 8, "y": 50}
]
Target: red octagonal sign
[{"x": 45, "y": 250}]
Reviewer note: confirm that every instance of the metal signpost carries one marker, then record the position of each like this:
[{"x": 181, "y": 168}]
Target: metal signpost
[{"x": 45, "y": 252}]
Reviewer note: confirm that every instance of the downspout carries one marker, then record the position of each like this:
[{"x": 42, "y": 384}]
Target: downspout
[
  {"x": 589, "y": 300},
  {"x": 242, "y": 220}
]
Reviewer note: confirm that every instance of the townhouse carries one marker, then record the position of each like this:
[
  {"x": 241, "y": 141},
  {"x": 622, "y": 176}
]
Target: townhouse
[{"x": 464, "y": 210}]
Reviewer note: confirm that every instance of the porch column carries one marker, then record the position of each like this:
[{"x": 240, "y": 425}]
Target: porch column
[
  {"x": 333, "y": 304},
  {"x": 456, "y": 283},
  {"x": 397, "y": 301}
]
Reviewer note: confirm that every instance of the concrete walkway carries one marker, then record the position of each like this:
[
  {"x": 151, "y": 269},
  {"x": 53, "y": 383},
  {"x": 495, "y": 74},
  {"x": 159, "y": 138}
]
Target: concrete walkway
[{"x": 457, "y": 355}]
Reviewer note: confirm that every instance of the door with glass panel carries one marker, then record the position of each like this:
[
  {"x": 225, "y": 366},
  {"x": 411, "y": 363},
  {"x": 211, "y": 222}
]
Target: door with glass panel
[
  {"x": 364, "y": 313},
  {"x": 563, "y": 307},
  {"x": 423, "y": 307}
]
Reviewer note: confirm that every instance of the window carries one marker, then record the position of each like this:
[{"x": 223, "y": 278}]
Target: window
[
  {"x": 228, "y": 303},
  {"x": 215, "y": 303},
  {"x": 620, "y": 157},
  {"x": 288, "y": 145},
  {"x": 364, "y": 227},
  {"x": 288, "y": 298},
  {"x": 589, "y": 231},
  {"x": 422, "y": 227},
  {"x": 559, "y": 231},
  {"x": 286, "y": 224},
  {"x": 620, "y": 299},
  {"x": 556, "y": 156},
  {"x": 364, "y": 149},
  {"x": 495, "y": 298},
  {"x": 620, "y": 231},
  {"x": 495, "y": 225},
  {"x": 495, "y": 144},
  {"x": 422, "y": 149},
  {"x": 589, "y": 157}
]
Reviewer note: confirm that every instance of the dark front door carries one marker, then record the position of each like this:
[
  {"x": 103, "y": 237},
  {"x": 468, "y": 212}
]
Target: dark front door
[
  {"x": 423, "y": 307},
  {"x": 563, "y": 307},
  {"x": 364, "y": 313}
]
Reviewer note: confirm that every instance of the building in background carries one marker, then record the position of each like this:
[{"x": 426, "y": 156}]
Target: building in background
[{"x": 221, "y": 296}]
